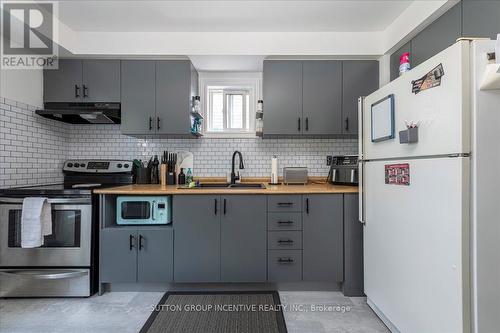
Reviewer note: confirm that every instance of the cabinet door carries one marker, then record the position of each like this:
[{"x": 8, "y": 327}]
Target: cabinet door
[
  {"x": 155, "y": 255},
  {"x": 118, "y": 255},
  {"x": 101, "y": 80},
  {"x": 243, "y": 238},
  {"x": 322, "y": 97},
  {"x": 395, "y": 59},
  {"x": 282, "y": 91},
  {"x": 353, "y": 248},
  {"x": 173, "y": 96},
  {"x": 481, "y": 18},
  {"x": 65, "y": 83},
  {"x": 323, "y": 237},
  {"x": 196, "y": 220},
  {"x": 138, "y": 97},
  {"x": 440, "y": 34},
  {"x": 360, "y": 78}
]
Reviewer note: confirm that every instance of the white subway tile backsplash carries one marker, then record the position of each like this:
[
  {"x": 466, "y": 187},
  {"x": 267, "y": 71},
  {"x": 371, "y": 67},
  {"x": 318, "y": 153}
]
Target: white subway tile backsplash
[{"x": 33, "y": 149}]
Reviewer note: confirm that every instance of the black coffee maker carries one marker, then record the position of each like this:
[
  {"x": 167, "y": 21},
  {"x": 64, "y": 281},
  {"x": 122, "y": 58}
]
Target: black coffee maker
[{"x": 344, "y": 170}]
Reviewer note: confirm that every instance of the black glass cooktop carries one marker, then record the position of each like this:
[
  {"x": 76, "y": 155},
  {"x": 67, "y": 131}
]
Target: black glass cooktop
[{"x": 49, "y": 190}]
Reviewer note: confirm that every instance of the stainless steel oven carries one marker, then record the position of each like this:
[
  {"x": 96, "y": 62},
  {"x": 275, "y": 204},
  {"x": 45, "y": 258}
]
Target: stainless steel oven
[{"x": 69, "y": 244}]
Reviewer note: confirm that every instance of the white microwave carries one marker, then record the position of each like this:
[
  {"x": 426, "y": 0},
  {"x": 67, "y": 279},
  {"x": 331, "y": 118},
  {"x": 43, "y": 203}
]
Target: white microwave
[{"x": 143, "y": 210}]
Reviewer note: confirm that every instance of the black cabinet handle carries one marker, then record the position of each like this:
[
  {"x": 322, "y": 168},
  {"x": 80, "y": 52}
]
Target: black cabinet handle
[
  {"x": 285, "y": 260},
  {"x": 346, "y": 124},
  {"x": 307, "y": 205},
  {"x": 285, "y": 222},
  {"x": 158, "y": 123},
  {"x": 307, "y": 123},
  {"x": 77, "y": 91},
  {"x": 141, "y": 246},
  {"x": 85, "y": 91},
  {"x": 215, "y": 206},
  {"x": 285, "y": 241},
  {"x": 224, "y": 206},
  {"x": 298, "y": 128},
  {"x": 131, "y": 242},
  {"x": 150, "y": 123},
  {"x": 285, "y": 204}
]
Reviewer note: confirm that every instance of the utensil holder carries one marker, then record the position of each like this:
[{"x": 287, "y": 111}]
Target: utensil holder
[
  {"x": 142, "y": 176},
  {"x": 409, "y": 135}
]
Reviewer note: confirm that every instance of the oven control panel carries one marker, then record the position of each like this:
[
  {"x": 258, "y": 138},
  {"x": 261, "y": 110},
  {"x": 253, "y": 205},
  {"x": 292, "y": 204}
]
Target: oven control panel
[{"x": 98, "y": 166}]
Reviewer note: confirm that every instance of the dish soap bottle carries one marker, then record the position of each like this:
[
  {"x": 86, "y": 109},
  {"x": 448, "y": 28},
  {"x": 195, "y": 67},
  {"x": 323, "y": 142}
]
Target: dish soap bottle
[
  {"x": 181, "y": 179},
  {"x": 189, "y": 177}
]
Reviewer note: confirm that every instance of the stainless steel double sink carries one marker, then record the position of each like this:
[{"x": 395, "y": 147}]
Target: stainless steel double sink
[{"x": 227, "y": 185}]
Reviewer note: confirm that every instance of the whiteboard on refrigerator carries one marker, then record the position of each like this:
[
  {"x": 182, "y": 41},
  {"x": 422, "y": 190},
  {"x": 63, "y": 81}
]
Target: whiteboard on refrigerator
[{"x": 383, "y": 119}]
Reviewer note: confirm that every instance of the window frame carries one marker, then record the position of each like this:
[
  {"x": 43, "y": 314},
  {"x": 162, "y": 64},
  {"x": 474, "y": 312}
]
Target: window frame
[{"x": 230, "y": 83}]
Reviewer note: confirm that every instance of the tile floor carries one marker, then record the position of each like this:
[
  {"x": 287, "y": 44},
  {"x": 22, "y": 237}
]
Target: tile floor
[{"x": 125, "y": 312}]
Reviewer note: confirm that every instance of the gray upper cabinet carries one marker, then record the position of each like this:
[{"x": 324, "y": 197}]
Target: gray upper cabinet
[
  {"x": 196, "y": 220},
  {"x": 322, "y": 97},
  {"x": 101, "y": 81},
  {"x": 156, "y": 96},
  {"x": 65, "y": 83},
  {"x": 322, "y": 237},
  {"x": 395, "y": 59},
  {"x": 155, "y": 255},
  {"x": 440, "y": 34},
  {"x": 360, "y": 78},
  {"x": 173, "y": 96},
  {"x": 282, "y": 92},
  {"x": 138, "y": 97},
  {"x": 481, "y": 18},
  {"x": 118, "y": 255},
  {"x": 243, "y": 238}
]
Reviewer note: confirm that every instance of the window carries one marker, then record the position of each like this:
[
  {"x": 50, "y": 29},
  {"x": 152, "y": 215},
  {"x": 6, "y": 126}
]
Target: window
[
  {"x": 228, "y": 103},
  {"x": 228, "y": 110}
]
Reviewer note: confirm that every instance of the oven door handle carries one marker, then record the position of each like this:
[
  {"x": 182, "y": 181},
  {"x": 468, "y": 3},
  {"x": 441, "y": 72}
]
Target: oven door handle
[
  {"x": 85, "y": 200},
  {"x": 45, "y": 275}
]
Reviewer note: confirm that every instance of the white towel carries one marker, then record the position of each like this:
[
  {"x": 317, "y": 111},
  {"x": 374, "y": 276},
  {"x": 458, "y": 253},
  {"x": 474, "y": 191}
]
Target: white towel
[{"x": 36, "y": 221}]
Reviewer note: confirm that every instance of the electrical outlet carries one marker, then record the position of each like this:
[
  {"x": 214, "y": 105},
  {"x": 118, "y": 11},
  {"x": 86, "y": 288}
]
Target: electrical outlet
[{"x": 329, "y": 160}]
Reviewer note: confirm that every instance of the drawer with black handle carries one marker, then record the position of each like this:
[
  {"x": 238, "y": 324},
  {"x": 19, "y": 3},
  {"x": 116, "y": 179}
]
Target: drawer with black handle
[
  {"x": 284, "y": 203},
  {"x": 284, "y": 265},
  {"x": 284, "y": 221},
  {"x": 284, "y": 240}
]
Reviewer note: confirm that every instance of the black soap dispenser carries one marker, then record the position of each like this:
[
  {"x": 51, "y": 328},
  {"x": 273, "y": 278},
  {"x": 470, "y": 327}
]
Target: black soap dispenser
[{"x": 181, "y": 179}]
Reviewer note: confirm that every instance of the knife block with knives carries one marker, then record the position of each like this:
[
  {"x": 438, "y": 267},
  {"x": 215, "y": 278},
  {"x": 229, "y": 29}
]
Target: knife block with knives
[{"x": 170, "y": 162}]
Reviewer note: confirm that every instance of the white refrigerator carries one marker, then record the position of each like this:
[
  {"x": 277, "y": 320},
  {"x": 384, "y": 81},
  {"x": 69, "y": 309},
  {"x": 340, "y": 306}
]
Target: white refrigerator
[{"x": 431, "y": 209}]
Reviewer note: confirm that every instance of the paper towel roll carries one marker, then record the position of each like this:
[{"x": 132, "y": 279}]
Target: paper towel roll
[{"x": 274, "y": 170}]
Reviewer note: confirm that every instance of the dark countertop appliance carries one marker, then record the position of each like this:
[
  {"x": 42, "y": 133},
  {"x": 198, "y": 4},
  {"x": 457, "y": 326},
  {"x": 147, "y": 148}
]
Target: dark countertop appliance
[
  {"x": 66, "y": 265},
  {"x": 344, "y": 170}
]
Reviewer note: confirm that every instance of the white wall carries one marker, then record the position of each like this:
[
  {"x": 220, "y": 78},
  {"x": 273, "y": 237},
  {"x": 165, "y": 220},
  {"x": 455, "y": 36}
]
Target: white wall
[{"x": 22, "y": 85}]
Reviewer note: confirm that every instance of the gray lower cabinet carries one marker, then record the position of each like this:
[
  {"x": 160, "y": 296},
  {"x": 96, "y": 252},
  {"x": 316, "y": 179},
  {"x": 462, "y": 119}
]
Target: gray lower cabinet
[
  {"x": 138, "y": 97},
  {"x": 353, "y": 248},
  {"x": 65, "y": 83},
  {"x": 136, "y": 254},
  {"x": 395, "y": 59},
  {"x": 155, "y": 255},
  {"x": 323, "y": 237},
  {"x": 282, "y": 92},
  {"x": 196, "y": 220},
  {"x": 101, "y": 80},
  {"x": 481, "y": 18},
  {"x": 322, "y": 97},
  {"x": 440, "y": 34},
  {"x": 360, "y": 78},
  {"x": 118, "y": 255},
  {"x": 243, "y": 238}
]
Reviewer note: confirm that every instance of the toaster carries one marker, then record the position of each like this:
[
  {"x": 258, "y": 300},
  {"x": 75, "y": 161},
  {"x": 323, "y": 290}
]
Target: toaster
[{"x": 295, "y": 175}]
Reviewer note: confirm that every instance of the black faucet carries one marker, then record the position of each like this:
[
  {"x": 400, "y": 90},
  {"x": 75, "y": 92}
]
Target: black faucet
[{"x": 234, "y": 178}]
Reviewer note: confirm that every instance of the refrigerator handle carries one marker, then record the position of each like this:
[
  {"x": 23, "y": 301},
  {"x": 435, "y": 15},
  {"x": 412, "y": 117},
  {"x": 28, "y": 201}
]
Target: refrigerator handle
[
  {"x": 361, "y": 194},
  {"x": 361, "y": 103}
]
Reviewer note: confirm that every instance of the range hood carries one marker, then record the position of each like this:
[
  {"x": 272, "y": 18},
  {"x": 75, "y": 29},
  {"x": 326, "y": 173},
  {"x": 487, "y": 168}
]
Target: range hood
[{"x": 82, "y": 113}]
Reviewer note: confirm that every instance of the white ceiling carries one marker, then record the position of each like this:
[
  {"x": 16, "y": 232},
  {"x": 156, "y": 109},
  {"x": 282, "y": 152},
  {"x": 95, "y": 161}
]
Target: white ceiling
[{"x": 234, "y": 16}]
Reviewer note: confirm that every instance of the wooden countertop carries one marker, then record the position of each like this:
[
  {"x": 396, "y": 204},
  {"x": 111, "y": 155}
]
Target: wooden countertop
[{"x": 153, "y": 189}]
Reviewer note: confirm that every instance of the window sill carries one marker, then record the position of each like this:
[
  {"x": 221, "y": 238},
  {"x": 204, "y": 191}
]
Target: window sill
[{"x": 212, "y": 135}]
